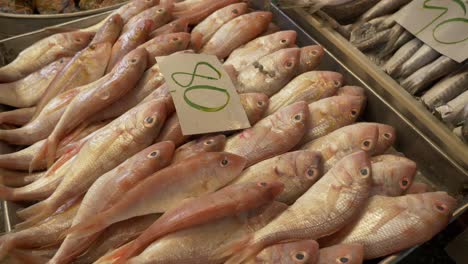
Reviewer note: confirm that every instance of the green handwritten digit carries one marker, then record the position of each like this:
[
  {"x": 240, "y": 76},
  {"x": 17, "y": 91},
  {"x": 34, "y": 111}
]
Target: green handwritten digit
[
  {"x": 444, "y": 8},
  {"x": 448, "y": 21},
  {"x": 194, "y": 74},
  {"x": 205, "y": 108}
]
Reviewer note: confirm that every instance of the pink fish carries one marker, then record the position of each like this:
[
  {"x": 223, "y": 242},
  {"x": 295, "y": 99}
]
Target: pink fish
[
  {"x": 172, "y": 131},
  {"x": 391, "y": 175},
  {"x": 342, "y": 253},
  {"x": 165, "y": 45},
  {"x": 19, "y": 117},
  {"x": 179, "y": 25},
  {"x": 303, "y": 251},
  {"x": 207, "y": 143},
  {"x": 158, "y": 15},
  {"x": 202, "y": 10}
]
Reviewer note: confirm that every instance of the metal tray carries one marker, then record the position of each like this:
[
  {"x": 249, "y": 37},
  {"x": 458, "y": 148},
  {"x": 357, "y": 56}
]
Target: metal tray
[
  {"x": 388, "y": 88},
  {"x": 15, "y": 24},
  {"x": 435, "y": 167}
]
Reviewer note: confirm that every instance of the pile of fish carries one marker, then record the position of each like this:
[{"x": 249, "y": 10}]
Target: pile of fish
[
  {"x": 112, "y": 178},
  {"x": 439, "y": 82},
  {"x": 53, "y": 6}
]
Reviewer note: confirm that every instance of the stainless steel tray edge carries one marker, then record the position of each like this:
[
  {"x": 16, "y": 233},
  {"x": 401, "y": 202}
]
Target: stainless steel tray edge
[{"x": 432, "y": 128}]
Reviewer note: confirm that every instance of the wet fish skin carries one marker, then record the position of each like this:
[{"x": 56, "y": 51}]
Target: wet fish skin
[
  {"x": 255, "y": 105},
  {"x": 18, "y": 178},
  {"x": 128, "y": 41},
  {"x": 202, "y": 10},
  {"x": 421, "y": 58},
  {"x": 402, "y": 55},
  {"x": 179, "y": 25},
  {"x": 43, "y": 53},
  {"x": 236, "y": 33},
  {"x": 404, "y": 38},
  {"x": 260, "y": 47},
  {"x": 117, "y": 141},
  {"x": 310, "y": 58},
  {"x": 228, "y": 201},
  {"x": 344, "y": 141},
  {"x": 350, "y": 10},
  {"x": 344, "y": 253},
  {"x": 419, "y": 187},
  {"x": 47, "y": 233},
  {"x": 446, "y": 89},
  {"x": 330, "y": 114},
  {"x": 423, "y": 77},
  {"x": 27, "y": 91},
  {"x": 324, "y": 209},
  {"x": 297, "y": 170},
  {"x": 202, "y": 241},
  {"x": 172, "y": 131},
  {"x": 165, "y": 45},
  {"x": 391, "y": 175},
  {"x": 351, "y": 90},
  {"x": 303, "y": 251},
  {"x": 110, "y": 31},
  {"x": 208, "y": 143},
  {"x": 310, "y": 87},
  {"x": 167, "y": 188},
  {"x": 269, "y": 74},
  {"x": 377, "y": 39},
  {"x": 158, "y": 15},
  {"x": 383, "y": 7},
  {"x": 21, "y": 159},
  {"x": 91, "y": 101},
  {"x": 267, "y": 139},
  {"x": 107, "y": 190},
  {"x": 216, "y": 20},
  {"x": 455, "y": 112},
  {"x": 186, "y": 5},
  {"x": 19, "y": 117},
  {"x": 390, "y": 224}
]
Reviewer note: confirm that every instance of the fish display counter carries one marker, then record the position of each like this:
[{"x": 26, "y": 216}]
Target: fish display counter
[{"x": 97, "y": 169}]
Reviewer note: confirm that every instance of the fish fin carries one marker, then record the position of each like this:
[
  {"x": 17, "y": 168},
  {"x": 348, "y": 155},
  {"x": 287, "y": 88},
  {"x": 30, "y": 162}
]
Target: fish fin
[
  {"x": 121, "y": 255},
  {"x": 51, "y": 152},
  {"x": 237, "y": 246}
]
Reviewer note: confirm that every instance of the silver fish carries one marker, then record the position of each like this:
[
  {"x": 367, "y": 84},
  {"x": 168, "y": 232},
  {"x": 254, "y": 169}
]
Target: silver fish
[
  {"x": 421, "y": 58},
  {"x": 446, "y": 89},
  {"x": 455, "y": 111},
  {"x": 384, "y": 7},
  {"x": 402, "y": 55}
]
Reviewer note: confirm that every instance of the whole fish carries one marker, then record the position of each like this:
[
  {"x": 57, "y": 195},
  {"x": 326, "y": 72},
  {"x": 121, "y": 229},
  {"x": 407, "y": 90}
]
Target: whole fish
[
  {"x": 267, "y": 138},
  {"x": 446, "y": 89},
  {"x": 324, "y": 209},
  {"x": 312, "y": 5},
  {"x": 44, "y": 234},
  {"x": 202, "y": 241},
  {"x": 390, "y": 224},
  {"x": 18, "y": 178},
  {"x": 165, "y": 45},
  {"x": 186, "y": 5},
  {"x": 402, "y": 55},
  {"x": 424, "y": 76},
  {"x": 87, "y": 65},
  {"x": 214, "y": 143},
  {"x": 303, "y": 251},
  {"x": 158, "y": 15},
  {"x": 115, "y": 236},
  {"x": 228, "y": 201},
  {"x": 179, "y": 25},
  {"x": 374, "y": 41},
  {"x": 19, "y": 117},
  {"x": 351, "y": 90},
  {"x": 202, "y": 10},
  {"x": 167, "y": 188},
  {"x": 391, "y": 175},
  {"x": 114, "y": 143},
  {"x": 383, "y": 7},
  {"x": 107, "y": 190},
  {"x": 421, "y": 58},
  {"x": 372, "y": 138},
  {"x": 404, "y": 38},
  {"x": 310, "y": 87},
  {"x": 44, "y": 52},
  {"x": 260, "y": 47},
  {"x": 91, "y": 101},
  {"x": 455, "y": 111},
  {"x": 342, "y": 253},
  {"x": 128, "y": 41},
  {"x": 27, "y": 91},
  {"x": 216, "y": 20},
  {"x": 270, "y": 73},
  {"x": 310, "y": 58},
  {"x": 237, "y": 32},
  {"x": 330, "y": 114},
  {"x": 172, "y": 131},
  {"x": 297, "y": 170},
  {"x": 255, "y": 105},
  {"x": 419, "y": 187}
]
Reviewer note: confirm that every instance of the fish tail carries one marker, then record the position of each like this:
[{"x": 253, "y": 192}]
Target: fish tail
[
  {"x": 32, "y": 211},
  {"x": 51, "y": 147},
  {"x": 40, "y": 156},
  {"x": 87, "y": 228}
]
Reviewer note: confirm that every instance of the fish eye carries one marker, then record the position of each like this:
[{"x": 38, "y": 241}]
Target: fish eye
[
  {"x": 300, "y": 256},
  {"x": 153, "y": 154},
  {"x": 160, "y": 10},
  {"x": 283, "y": 41},
  {"x": 78, "y": 40},
  {"x": 298, "y": 117},
  {"x": 404, "y": 183},
  {"x": 209, "y": 142},
  {"x": 364, "y": 171},
  {"x": 133, "y": 60},
  {"x": 224, "y": 162},
  {"x": 289, "y": 64},
  {"x": 387, "y": 135},
  {"x": 440, "y": 207},
  {"x": 175, "y": 39},
  {"x": 343, "y": 260},
  {"x": 235, "y": 11},
  {"x": 260, "y": 103},
  {"x": 314, "y": 53},
  {"x": 262, "y": 184},
  {"x": 353, "y": 112},
  {"x": 312, "y": 173},
  {"x": 337, "y": 83},
  {"x": 366, "y": 144},
  {"x": 271, "y": 74}
]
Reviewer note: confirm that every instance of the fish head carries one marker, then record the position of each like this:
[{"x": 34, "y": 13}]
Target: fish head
[
  {"x": 150, "y": 116},
  {"x": 309, "y": 165},
  {"x": 342, "y": 254},
  {"x": 298, "y": 252},
  {"x": 228, "y": 166},
  {"x": 268, "y": 189},
  {"x": 212, "y": 143},
  {"x": 161, "y": 152},
  {"x": 78, "y": 39},
  {"x": 351, "y": 90},
  {"x": 110, "y": 31},
  {"x": 350, "y": 107},
  {"x": 285, "y": 63},
  {"x": 332, "y": 79},
  {"x": 286, "y": 38},
  {"x": 255, "y": 104},
  {"x": 143, "y": 28},
  {"x": 393, "y": 176},
  {"x": 291, "y": 118},
  {"x": 353, "y": 169},
  {"x": 364, "y": 136},
  {"x": 310, "y": 57},
  {"x": 262, "y": 17},
  {"x": 137, "y": 60},
  {"x": 386, "y": 138},
  {"x": 237, "y": 9}
]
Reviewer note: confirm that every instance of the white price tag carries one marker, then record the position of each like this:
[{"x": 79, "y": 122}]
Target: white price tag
[
  {"x": 441, "y": 24},
  {"x": 205, "y": 99}
]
